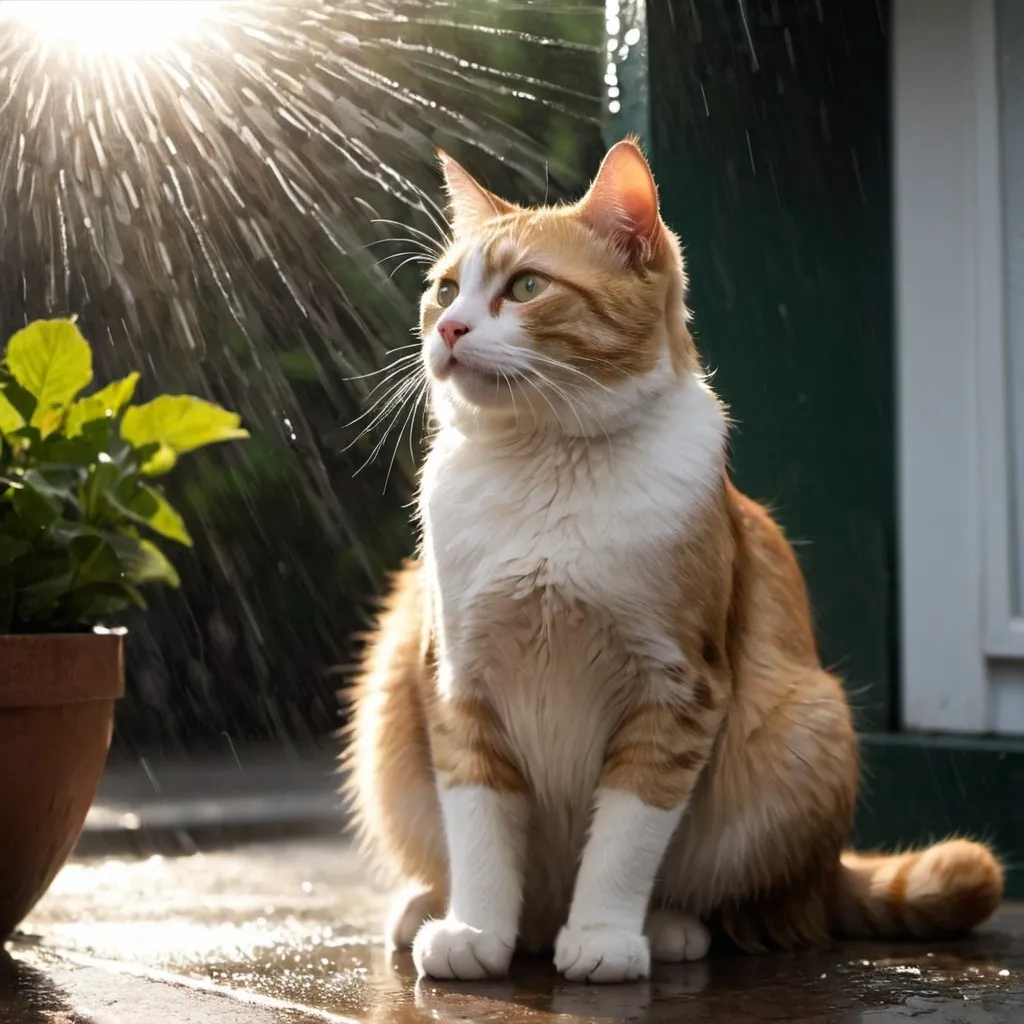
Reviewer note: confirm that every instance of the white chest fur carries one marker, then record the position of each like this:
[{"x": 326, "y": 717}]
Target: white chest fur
[{"x": 563, "y": 526}]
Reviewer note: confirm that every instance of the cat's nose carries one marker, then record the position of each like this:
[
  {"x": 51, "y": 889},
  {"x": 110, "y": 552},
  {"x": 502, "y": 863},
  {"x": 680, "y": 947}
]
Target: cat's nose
[{"x": 451, "y": 331}]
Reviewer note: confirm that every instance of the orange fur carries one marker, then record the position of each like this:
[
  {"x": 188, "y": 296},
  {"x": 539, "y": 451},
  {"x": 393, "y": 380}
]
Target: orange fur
[{"x": 754, "y": 731}]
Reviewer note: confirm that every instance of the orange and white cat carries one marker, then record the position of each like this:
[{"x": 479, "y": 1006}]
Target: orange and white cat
[{"x": 592, "y": 716}]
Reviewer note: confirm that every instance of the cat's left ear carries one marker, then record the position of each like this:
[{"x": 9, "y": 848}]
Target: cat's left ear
[
  {"x": 469, "y": 203},
  {"x": 622, "y": 202}
]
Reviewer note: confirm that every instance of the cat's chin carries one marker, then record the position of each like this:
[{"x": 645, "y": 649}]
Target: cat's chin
[{"x": 486, "y": 388}]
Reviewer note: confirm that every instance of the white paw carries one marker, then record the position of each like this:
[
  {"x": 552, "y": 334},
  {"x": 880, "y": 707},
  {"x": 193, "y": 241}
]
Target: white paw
[
  {"x": 407, "y": 912},
  {"x": 602, "y": 953},
  {"x": 676, "y": 937},
  {"x": 451, "y": 949}
]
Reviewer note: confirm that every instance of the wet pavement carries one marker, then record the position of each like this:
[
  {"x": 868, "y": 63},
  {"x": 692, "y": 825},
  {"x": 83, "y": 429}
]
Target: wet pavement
[{"x": 289, "y": 931}]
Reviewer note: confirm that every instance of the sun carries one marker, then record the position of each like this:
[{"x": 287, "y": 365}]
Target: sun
[{"x": 107, "y": 26}]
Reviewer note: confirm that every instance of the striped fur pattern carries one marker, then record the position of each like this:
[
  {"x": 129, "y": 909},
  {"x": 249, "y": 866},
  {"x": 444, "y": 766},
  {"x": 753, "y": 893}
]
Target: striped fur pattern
[{"x": 592, "y": 717}]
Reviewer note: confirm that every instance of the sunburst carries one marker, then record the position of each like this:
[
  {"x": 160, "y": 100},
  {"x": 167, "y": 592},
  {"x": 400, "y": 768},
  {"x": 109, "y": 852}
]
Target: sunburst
[{"x": 98, "y": 28}]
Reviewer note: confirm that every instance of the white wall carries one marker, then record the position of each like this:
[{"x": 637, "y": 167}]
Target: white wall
[{"x": 960, "y": 293}]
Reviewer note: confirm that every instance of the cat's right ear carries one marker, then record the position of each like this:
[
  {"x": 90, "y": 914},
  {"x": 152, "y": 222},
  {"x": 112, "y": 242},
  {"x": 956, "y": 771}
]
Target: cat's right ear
[
  {"x": 622, "y": 203},
  {"x": 469, "y": 203}
]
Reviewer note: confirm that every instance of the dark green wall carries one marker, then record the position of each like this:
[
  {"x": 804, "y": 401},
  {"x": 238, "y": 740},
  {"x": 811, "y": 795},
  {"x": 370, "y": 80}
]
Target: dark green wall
[
  {"x": 768, "y": 127},
  {"x": 918, "y": 788},
  {"x": 768, "y": 130}
]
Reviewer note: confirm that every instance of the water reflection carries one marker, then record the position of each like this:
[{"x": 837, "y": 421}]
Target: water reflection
[{"x": 296, "y": 924}]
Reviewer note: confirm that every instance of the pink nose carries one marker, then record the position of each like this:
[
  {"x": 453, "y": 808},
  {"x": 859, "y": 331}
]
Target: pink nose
[{"x": 451, "y": 331}]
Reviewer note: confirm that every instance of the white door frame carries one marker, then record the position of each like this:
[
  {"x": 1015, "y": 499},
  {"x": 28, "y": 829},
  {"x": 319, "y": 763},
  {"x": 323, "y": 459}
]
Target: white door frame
[{"x": 963, "y": 646}]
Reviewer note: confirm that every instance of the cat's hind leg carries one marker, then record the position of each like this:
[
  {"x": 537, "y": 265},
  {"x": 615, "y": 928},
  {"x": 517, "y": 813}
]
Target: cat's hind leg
[
  {"x": 410, "y": 908},
  {"x": 758, "y": 851},
  {"x": 676, "y": 936}
]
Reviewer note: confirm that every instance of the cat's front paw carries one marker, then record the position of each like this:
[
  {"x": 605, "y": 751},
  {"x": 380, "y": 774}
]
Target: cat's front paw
[
  {"x": 451, "y": 949},
  {"x": 602, "y": 953}
]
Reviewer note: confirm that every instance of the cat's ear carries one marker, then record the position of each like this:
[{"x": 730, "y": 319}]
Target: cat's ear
[
  {"x": 622, "y": 202},
  {"x": 469, "y": 203}
]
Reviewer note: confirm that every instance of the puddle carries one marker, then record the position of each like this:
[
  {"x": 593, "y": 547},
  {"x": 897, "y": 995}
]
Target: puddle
[{"x": 294, "y": 926}]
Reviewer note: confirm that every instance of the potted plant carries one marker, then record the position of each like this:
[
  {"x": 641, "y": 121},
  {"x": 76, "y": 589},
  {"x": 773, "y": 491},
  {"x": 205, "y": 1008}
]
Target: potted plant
[{"x": 81, "y": 522}]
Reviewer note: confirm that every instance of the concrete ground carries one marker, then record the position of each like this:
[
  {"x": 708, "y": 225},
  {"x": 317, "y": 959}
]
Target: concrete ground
[{"x": 222, "y": 926}]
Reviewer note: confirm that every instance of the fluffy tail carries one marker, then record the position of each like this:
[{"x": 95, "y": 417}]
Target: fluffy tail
[{"x": 944, "y": 889}]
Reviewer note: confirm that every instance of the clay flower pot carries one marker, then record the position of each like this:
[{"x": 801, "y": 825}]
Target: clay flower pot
[{"x": 57, "y": 695}]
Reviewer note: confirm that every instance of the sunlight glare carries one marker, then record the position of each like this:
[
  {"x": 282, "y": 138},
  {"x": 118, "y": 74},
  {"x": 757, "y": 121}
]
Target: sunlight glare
[{"x": 107, "y": 26}]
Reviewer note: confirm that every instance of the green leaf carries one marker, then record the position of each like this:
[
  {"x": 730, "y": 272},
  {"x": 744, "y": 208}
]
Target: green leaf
[
  {"x": 49, "y": 420},
  {"x": 49, "y": 590},
  {"x": 179, "y": 422},
  {"x": 96, "y": 441},
  {"x": 156, "y": 511},
  {"x": 161, "y": 460},
  {"x": 96, "y": 601},
  {"x": 96, "y": 494},
  {"x": 78, "y": 451},
  {"x": 29, "y": 437},
  {"x": 19, "y": 398},
  {"x": 35, "y": 509},
  {"x": 53, "y": 362},
  {"x": 106, "y": 402},
  {"x": 10, "y": 419},
  {"x": 94, "y": 560},
  {"x": 148, "y": 564},
  {"x": 55, "y": 485},
  {"x": 63, "y": 532}
]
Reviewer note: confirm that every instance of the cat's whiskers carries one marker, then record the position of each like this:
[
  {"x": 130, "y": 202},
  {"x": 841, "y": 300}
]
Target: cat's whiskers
[
  {"x": 419, "y": 395},
  {"x": 421, "y": 256},
  {"x": 536, "y": 387},
  {"x": 437, "y": 218},
  {"x": 407, "y": 376},
  {"x": 390, "y": 368},
  {"x": 393, "y": 393},
  {"x": 395, "y": 239},
  {"x": 383, "y": 392},
  {"x": 512, "y": 396},
  {"x": 410, "y": 391},
  {"x": 566, "y": 398},
  {"x": 387, "y": 386},
  {"x": 560, "y": 365},
  {"x": 582, "y": 400},
  {"x": 395, "y": 401},
  {"x": 411, "y": 259},
  {"x": 436, "y": 245},
  {"x": 392, "y": 385}
]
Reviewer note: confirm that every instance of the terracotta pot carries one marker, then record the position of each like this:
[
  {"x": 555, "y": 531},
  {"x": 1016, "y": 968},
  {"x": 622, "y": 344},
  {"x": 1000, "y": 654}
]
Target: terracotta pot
[{"x": 57, "y": 697}]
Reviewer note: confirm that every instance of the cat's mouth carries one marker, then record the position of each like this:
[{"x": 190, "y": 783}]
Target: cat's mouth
[{"x": 469, "y": 377}]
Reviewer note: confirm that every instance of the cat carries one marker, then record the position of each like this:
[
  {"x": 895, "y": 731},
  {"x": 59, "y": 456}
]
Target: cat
[{"x": 592, "y": 716}]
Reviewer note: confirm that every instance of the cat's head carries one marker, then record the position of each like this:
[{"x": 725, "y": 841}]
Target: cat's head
[{"x": 572, "y": 315}]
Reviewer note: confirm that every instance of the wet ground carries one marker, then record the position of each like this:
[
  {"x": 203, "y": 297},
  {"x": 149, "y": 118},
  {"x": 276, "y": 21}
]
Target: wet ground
[{"x": 289, "y": 931}]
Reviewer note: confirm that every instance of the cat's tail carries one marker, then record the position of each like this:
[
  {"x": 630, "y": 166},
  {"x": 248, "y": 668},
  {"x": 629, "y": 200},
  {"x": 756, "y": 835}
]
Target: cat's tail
[{"x": 945, "y": 889}]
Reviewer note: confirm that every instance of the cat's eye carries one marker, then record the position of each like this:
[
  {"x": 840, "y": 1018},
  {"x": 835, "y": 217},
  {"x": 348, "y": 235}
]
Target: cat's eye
[
  {"x": 447, "y": 292},
  {"x": 527, "y": 286}
]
